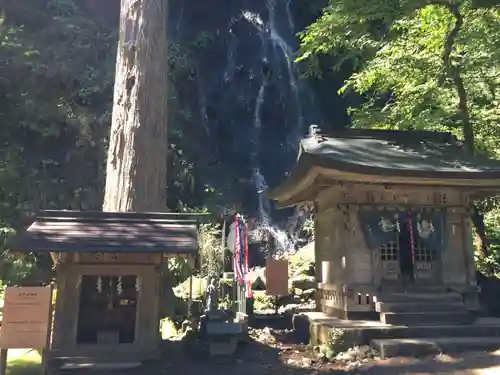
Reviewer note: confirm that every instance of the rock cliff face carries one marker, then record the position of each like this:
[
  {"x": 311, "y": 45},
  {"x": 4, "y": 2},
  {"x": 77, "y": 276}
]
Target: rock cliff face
[{"x": 239, "y": 95}]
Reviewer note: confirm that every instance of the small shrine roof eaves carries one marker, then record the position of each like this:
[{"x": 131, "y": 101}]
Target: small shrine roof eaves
[
  {"x": 420, "y": 154},
  {"x": 385, "y": 154},
  {"x": 79, "y": 231}
]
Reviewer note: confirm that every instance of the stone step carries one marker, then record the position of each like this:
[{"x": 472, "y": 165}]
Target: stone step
[
  {"x": 222, "y": 348},
  {"x": 425, "y": 318},
  {"x": 435, "y": 306},
  {"x": 92, "y": 363},
  {"x": 423, "y": 347},
  {"x": 416, "y": 289},
  {"x": 100, "y": 366},
  {"x": 317, "y": 327},
  {"x": 420, "y": 297}
]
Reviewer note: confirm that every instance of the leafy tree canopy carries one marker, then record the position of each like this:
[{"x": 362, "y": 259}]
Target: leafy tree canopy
[
  {"x": 418, "y": 64},
  {"x": 397, "y": 49}
]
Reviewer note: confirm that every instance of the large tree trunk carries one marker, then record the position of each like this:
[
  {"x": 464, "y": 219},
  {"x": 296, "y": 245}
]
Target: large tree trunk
[{"x": 137, "y": 155}]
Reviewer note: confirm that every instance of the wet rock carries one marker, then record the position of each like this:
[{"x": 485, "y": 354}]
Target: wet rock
[
  {"x": 307, "y": 362},
  {"x": 303, "y": 282},
  {"x": 308, "y": 294},
  {"x": 305, "y": 269},
  {"x": 257, "y": 277},
  {"x": 290, "y": 308}
]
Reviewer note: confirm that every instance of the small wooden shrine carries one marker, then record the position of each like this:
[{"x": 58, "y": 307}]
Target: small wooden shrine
[
  {"x": 392, "y": 214},
  {"x": 109, "y": 267}
]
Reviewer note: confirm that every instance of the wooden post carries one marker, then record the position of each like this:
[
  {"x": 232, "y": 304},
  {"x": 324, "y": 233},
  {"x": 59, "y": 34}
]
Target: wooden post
[
  {"x": 190, "y": 301},
  {"x": 45, "y": 351},
  {"x": 44, "y": 365},
  {"x": 3, "y": 361}
]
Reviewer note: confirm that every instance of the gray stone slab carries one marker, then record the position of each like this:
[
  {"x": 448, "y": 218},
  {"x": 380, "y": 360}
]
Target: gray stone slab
[
  {"x": 221, "y": 328},
  {"x": 426, "y": 318},
  {"x": 414, "y": 347},
  {"x": 104, "y": 366}
]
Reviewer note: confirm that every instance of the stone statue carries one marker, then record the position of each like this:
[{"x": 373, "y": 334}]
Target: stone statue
[{"x": 212, "y": 295}]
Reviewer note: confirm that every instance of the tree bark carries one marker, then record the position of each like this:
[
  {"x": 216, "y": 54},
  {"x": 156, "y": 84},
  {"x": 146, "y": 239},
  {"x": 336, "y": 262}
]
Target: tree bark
[{"x": 137, "y": 155}]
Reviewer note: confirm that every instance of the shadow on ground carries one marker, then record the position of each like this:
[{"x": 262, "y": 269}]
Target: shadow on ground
[{"x": 466, "y": 364}]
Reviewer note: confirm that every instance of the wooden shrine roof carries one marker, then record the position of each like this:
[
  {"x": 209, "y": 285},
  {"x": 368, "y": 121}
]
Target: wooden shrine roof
[
  {"x": 80, "y": 231},
  {"x": 386, "y": 153},
  {"x": 416, "y": 153}
]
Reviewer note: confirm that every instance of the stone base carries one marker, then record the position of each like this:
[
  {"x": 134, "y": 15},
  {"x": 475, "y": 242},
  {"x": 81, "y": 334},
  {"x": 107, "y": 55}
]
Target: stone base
[
  {"x": 482, "y": 334},
  {"x": 432, "y": 346},
  {"x": 349, "y": 315}
]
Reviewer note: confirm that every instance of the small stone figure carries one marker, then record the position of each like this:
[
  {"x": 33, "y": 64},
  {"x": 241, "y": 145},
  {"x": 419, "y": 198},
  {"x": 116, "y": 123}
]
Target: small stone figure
[{"x": 212, "y": 295}]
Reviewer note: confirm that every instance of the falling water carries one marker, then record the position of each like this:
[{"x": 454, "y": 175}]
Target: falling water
[
  {"x": 281, "y": 46},
  {"x": 250, "y": 100},
  {"x": 286, "y": 240}
]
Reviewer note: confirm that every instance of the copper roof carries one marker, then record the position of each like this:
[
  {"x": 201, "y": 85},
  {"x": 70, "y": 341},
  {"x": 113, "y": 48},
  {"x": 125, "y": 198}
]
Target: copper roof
[{"x": 80, "y": 231}]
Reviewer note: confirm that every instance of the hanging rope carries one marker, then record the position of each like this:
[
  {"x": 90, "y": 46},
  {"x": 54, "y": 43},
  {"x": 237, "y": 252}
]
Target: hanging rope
[{"x": 412, "y": 238}]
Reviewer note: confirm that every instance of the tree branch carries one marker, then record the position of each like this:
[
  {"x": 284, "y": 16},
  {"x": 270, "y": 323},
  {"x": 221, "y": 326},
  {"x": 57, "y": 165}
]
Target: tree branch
[{"x": 453, "y": 72}]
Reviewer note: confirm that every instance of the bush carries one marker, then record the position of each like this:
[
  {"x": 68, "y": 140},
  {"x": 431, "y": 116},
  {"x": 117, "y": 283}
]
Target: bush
[
  {"x": 14, "y": 268},
  {"x": 211, "y": 250}
]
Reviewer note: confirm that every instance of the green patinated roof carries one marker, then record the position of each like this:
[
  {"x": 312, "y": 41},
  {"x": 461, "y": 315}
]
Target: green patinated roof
[{"x": 420, "y": 154}]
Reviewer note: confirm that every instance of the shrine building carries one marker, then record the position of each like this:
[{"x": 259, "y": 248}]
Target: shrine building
[
  {"x": 109, "y": 269},
  {"x": 392, "y": 218}
]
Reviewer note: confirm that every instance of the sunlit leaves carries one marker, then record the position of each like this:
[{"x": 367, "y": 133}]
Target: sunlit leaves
[{"x": 400, "y": 70}]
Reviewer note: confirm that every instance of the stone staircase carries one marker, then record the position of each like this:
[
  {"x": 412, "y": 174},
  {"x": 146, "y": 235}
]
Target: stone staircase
[
  {"x": 422, "y": 307},
  {"x": 414, "y": 322},
  {"x": 439, "y": 320}
]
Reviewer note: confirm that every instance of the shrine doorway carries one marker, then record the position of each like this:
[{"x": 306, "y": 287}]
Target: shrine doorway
[
  {"x": 108, "y": 309},
  {"x": 401, "y": 265}
]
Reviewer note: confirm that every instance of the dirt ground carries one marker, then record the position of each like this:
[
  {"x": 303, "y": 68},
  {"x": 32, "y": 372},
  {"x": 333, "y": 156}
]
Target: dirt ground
[
  {"x": 275, "y": 353},
  {"x": 465, "y": 364}
]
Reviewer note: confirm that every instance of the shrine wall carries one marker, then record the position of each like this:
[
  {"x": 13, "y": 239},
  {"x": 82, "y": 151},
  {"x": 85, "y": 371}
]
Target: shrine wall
[
  {"x": 68, "y": 296},
  {"x": 328, "y": 245},
  {"x": 362, "y": 263},
  {"x": 329, "y": 272},
  {"x": 360, "y": 258}
]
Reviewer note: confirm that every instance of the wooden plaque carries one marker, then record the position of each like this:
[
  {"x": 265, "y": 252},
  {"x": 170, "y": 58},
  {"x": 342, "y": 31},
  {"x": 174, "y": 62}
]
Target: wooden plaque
[
  {"x": 277, "y": 277},
  {"x": 26, "y": 318}
]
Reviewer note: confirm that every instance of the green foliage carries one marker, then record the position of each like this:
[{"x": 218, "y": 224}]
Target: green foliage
[
  {"x": 406, "y": 57},
  {"x": 14, "y": 269},
  {"x": 55, "y": 82},
  {"x": 490, "y": 265},
  {"x": 397, "y": 48},
  {"x": 307, "y": 229},
  {"x": 211, "y": 250},
  {"x": 338, "y": 342}
]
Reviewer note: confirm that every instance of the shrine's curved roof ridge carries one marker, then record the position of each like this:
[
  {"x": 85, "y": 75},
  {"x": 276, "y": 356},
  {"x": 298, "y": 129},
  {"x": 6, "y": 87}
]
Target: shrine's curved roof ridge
[
  {"x": 419, "y": 153},
  {"x": 386, "y": 154}
]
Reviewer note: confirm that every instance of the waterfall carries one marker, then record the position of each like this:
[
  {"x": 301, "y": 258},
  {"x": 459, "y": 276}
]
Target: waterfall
[{"x": 246, "y": 96}]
